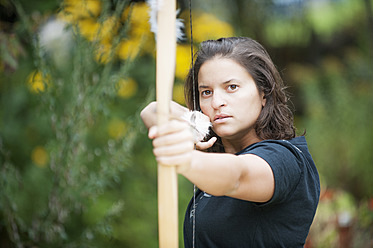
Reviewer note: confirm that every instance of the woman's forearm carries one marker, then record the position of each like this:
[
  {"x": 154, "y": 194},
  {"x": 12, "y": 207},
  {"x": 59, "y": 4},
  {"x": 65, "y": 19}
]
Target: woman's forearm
[
  {"x": 216, "y": 173},
  {"x": 245, "y": 177}
]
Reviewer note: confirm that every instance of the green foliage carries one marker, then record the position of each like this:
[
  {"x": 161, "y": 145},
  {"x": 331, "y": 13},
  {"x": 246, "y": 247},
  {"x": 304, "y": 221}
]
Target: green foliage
[
  {"x": 63, "y": 192},
  {"x": 330, "y": 17},
  {"x": 339, "y": 102},
  {"x": 296, "y": 33}
]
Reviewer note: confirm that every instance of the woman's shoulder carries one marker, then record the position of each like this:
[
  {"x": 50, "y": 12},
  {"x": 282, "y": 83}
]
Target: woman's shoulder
[
  {"x": 291, "y": 153},
  {"x": 297, "y": 145}
]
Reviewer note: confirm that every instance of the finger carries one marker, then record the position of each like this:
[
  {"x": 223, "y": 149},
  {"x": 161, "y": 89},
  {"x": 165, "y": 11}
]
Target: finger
[
  {"x": 172, "y": 126},
  {"x": 173, "y": 138},
  {"x": 176, "y": 149},
  {"x": 205, "y": 145},
  {"x": 168, "y": 127},
  {"x": 181, "y": 160}
]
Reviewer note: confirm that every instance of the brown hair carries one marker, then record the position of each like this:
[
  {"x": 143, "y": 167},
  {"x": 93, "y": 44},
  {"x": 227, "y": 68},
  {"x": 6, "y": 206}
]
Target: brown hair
[{"x": 276, "y": 119}]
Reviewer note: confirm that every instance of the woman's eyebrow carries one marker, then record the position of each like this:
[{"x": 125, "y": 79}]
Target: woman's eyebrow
[
  {"x": 201, "y": 86},
  {"x": 230, "y": 80}
]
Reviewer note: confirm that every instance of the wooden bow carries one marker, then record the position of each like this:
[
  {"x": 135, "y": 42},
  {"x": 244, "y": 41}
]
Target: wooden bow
[{"x": 167, "y": 176}]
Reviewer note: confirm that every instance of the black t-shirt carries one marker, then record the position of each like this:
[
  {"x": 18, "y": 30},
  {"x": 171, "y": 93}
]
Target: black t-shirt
[{"x": 283, "y": 221}]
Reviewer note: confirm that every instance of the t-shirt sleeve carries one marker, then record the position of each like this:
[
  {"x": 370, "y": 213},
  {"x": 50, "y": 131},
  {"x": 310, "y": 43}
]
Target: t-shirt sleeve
[{"x": 285, "y": 166}]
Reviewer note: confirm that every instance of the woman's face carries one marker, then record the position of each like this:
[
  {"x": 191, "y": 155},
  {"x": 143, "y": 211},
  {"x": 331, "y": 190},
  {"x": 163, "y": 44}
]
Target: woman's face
[{"x": 229, "y": 97}]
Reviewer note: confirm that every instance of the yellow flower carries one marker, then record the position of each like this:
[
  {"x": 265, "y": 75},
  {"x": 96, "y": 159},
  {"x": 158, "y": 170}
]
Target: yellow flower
[
  {"x": 139, "y": 21},
  {"x": 178, "y": 94},
  {"x": 129, "y": 49},
  {"x": 209, "y": 27},
  {"x": 103, "y": 53},
  {"x": 74, "y": 10},
  {"x": 96, "y": 31},
  {"x": 108, "y": 29},
  {"x": 39, "y": 156},
  {"x": 117, "y": 128},
  {"x": 139, "y": 27},
  {"x": 88, "y": 28},
  {"x": 126, "y": 88},
  {"x": 183, "y": 60},
  {"x": 37, "y": 82}
]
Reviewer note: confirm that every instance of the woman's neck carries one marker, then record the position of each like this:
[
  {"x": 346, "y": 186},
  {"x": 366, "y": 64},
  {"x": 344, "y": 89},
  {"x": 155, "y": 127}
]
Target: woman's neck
[{"x": 234, "y": 146}]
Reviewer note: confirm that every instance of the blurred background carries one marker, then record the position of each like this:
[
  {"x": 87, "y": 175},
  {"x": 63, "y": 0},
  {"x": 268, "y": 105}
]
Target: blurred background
[{"x": 76, "y": 165}]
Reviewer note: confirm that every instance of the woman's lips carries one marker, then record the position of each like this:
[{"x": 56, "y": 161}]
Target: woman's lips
[{"x": 221, "y": 118}]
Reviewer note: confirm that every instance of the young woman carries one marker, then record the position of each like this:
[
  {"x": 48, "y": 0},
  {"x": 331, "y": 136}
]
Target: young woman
[{"x": 258, "y": 185}]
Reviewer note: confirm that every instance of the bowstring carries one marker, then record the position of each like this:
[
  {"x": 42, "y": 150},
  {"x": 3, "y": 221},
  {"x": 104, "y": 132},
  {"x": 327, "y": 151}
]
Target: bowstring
[
  {"x": 192, "y": 55},
  {"x": 194, "y": 108}
]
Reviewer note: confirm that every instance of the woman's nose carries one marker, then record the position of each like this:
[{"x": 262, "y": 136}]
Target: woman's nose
[{"x": 217, "y": 101}]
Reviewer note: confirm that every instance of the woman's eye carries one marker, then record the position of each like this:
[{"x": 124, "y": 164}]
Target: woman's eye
[
  {"x": 206, "y": 92},
  {"x": 232, "y": 87}
]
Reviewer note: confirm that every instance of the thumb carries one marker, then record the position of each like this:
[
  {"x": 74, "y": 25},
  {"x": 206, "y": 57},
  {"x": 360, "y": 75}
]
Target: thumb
[
  {"x": 152, "y": 134},
  {"x": 205, "y": 145}
]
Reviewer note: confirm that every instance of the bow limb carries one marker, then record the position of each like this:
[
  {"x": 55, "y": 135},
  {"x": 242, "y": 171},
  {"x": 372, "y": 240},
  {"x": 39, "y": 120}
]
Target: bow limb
[{"x": 167, "y": 176}]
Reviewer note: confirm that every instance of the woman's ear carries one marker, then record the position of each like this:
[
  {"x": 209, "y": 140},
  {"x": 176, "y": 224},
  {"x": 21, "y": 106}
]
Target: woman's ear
[{"x": 264, "y": 99}]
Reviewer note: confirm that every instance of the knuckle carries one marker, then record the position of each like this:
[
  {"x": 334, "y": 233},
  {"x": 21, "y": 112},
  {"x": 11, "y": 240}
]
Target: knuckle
[{"x": 155, "y": 152}]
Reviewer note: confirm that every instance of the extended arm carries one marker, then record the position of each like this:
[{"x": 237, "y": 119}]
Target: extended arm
[{"x": 245, "y": 177}]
